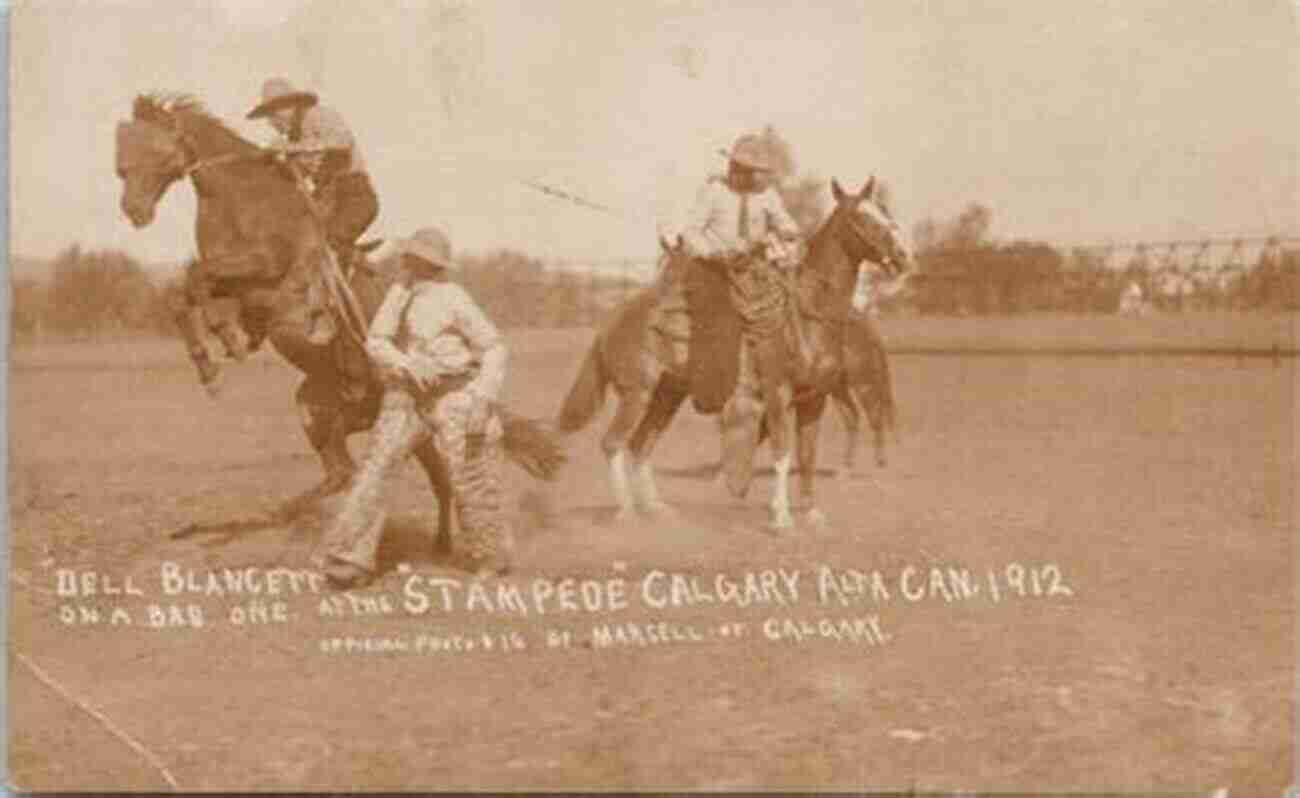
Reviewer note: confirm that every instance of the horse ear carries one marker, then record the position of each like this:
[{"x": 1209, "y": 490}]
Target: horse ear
[
  {"x": 836, "y": 190},
  {"x": 868, "y": 189}
]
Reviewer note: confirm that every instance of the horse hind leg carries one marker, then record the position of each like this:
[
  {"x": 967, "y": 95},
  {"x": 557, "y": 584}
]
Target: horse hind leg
[
  {"x": 664, "y": 404},
  {"x": 631, "y": 407},
  {"x": 326, "y": 424}
]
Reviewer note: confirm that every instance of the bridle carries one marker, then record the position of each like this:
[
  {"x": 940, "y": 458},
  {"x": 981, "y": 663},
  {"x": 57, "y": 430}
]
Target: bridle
[
  {"x": 190, "y": 163},
  {"x": 859, "y": 243}
]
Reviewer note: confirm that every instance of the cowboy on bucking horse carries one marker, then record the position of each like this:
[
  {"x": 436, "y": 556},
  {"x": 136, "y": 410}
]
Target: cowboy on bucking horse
[{"x": 315, "y": 139}]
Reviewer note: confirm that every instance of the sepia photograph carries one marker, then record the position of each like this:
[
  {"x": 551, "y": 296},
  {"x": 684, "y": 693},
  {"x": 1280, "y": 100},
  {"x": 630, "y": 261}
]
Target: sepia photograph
[{"x": 891, "y": 397}]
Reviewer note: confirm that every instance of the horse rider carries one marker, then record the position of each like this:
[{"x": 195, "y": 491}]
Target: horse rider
[
  {"x": 739, "y": 225},
  {"x": 318, "y": 142},
  {"x": 442, "y": 362}
]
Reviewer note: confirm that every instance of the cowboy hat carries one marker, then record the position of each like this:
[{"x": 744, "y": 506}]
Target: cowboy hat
[
  {"x": 750, "y": 152},
  {"x": 430, "y": 245},
  {"x": 278, "y": 94}
]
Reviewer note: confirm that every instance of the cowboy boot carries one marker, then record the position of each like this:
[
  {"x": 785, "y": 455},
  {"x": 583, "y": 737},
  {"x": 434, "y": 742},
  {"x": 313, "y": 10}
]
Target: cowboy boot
[{"x": 346, "y": 576}]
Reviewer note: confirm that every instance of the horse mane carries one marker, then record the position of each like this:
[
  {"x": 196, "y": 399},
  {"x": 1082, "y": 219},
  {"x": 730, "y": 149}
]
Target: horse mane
[{"x": 169, "y": 109}]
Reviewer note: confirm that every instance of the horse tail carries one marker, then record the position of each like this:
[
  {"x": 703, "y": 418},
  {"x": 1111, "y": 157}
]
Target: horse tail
[
  {"x": 587, "y": 395},
  {"x": 532, "y": 446}
]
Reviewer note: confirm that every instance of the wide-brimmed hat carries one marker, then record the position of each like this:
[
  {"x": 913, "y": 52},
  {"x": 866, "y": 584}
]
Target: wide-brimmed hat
[
  {"x": 750, "y": 151},
  {"x": 278, "y": 94},
  {"x": 430, "y": 245}
]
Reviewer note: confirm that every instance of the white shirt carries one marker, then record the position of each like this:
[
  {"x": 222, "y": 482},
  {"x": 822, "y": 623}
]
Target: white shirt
[
  {"x": 435, "y": 330},
  {"x": 713, "y": 227},
  {"x": 323, "y": 128}
]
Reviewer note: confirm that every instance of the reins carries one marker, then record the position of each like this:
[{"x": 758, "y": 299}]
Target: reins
[
  {"x": 200, "y": 164},
  {"x": 341, "y": 296}
]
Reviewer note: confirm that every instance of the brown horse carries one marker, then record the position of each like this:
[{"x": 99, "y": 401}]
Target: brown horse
[
  {"x": 650, "y": 375},
  {"x": 867, "y": 387},
  {"x": 259, "y": 243}
]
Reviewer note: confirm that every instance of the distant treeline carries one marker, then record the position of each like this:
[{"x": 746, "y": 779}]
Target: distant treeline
[
  {"x": 104, "y": 294},
  {"x": 962, "y": 271},
  {"x": 95, "y": 294},
  {"x": 90, "y": 294}
]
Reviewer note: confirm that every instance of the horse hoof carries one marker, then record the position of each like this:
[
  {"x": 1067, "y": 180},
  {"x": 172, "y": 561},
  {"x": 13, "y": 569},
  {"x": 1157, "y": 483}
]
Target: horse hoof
[
  {"x": 442, "y": 545},
  {"x": 661, "y": 511},
  {"x": 780, "y": 523},
  {"x": 213, "y": 387},
  {"x": 816, "y": 518}
]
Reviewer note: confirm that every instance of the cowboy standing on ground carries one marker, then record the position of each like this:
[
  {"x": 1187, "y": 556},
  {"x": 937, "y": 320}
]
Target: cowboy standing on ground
[
  {"x": 443, "y": 363},
  {"x": 320, "y": 145}
]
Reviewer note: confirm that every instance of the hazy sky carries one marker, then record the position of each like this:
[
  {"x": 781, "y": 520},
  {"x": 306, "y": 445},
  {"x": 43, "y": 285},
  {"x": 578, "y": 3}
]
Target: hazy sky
[{"x": 1074, "y": 121}]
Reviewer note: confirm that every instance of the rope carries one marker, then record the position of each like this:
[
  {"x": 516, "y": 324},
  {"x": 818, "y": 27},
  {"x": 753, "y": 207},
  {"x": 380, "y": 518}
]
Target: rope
[
  {"x": 218, "y": 160},
  {"x": 342, "y": 298}
]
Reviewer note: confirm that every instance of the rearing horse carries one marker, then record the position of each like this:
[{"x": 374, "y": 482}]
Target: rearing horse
[
  {"x": 259, "y": 242},
  {"x": 650, "y": 375}
]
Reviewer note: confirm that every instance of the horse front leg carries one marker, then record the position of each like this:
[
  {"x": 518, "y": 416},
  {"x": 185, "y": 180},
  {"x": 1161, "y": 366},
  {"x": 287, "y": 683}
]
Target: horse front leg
[
  {"x": 877, "y": 413},
  {"x": 809, "y": 414},
  {"x": 189, "y": 318},
  {"x": 782, "y": 460},
  {"x": 852, "y": 418}
]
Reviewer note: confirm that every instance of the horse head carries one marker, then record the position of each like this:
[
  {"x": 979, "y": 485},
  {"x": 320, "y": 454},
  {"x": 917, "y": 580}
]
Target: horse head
[
  {"x": 150, "y": 157},
  {"x": 164, "y": 141},
  {"x": 869, "y": 231}
]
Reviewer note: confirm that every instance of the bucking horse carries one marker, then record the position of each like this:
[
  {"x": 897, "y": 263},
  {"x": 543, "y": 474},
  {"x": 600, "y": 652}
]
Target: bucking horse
[
  {"x": 260, "y": 243},
  {"x": 652, "y": 368}
]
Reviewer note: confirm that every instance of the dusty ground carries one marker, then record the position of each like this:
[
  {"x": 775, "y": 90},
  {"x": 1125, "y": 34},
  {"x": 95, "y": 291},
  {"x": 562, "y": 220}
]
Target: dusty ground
[{"x": 1148, "y": 503}]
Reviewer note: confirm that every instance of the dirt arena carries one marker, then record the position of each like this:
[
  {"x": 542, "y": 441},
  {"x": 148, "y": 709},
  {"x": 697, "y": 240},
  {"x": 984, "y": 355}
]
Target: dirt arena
[{"x": 1076, "y": 573}]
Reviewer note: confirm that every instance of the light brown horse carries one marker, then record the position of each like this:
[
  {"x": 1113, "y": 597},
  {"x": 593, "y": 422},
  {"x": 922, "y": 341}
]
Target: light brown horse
[
  {"x": 650, "y": 377},
  {"x": 259, "y": 242}
]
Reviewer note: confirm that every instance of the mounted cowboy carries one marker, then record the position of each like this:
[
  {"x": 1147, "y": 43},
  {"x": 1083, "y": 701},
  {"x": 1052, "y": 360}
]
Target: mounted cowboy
[
  {"x": 741, "y": 232},
  {"x": 317, "y": 141}
]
